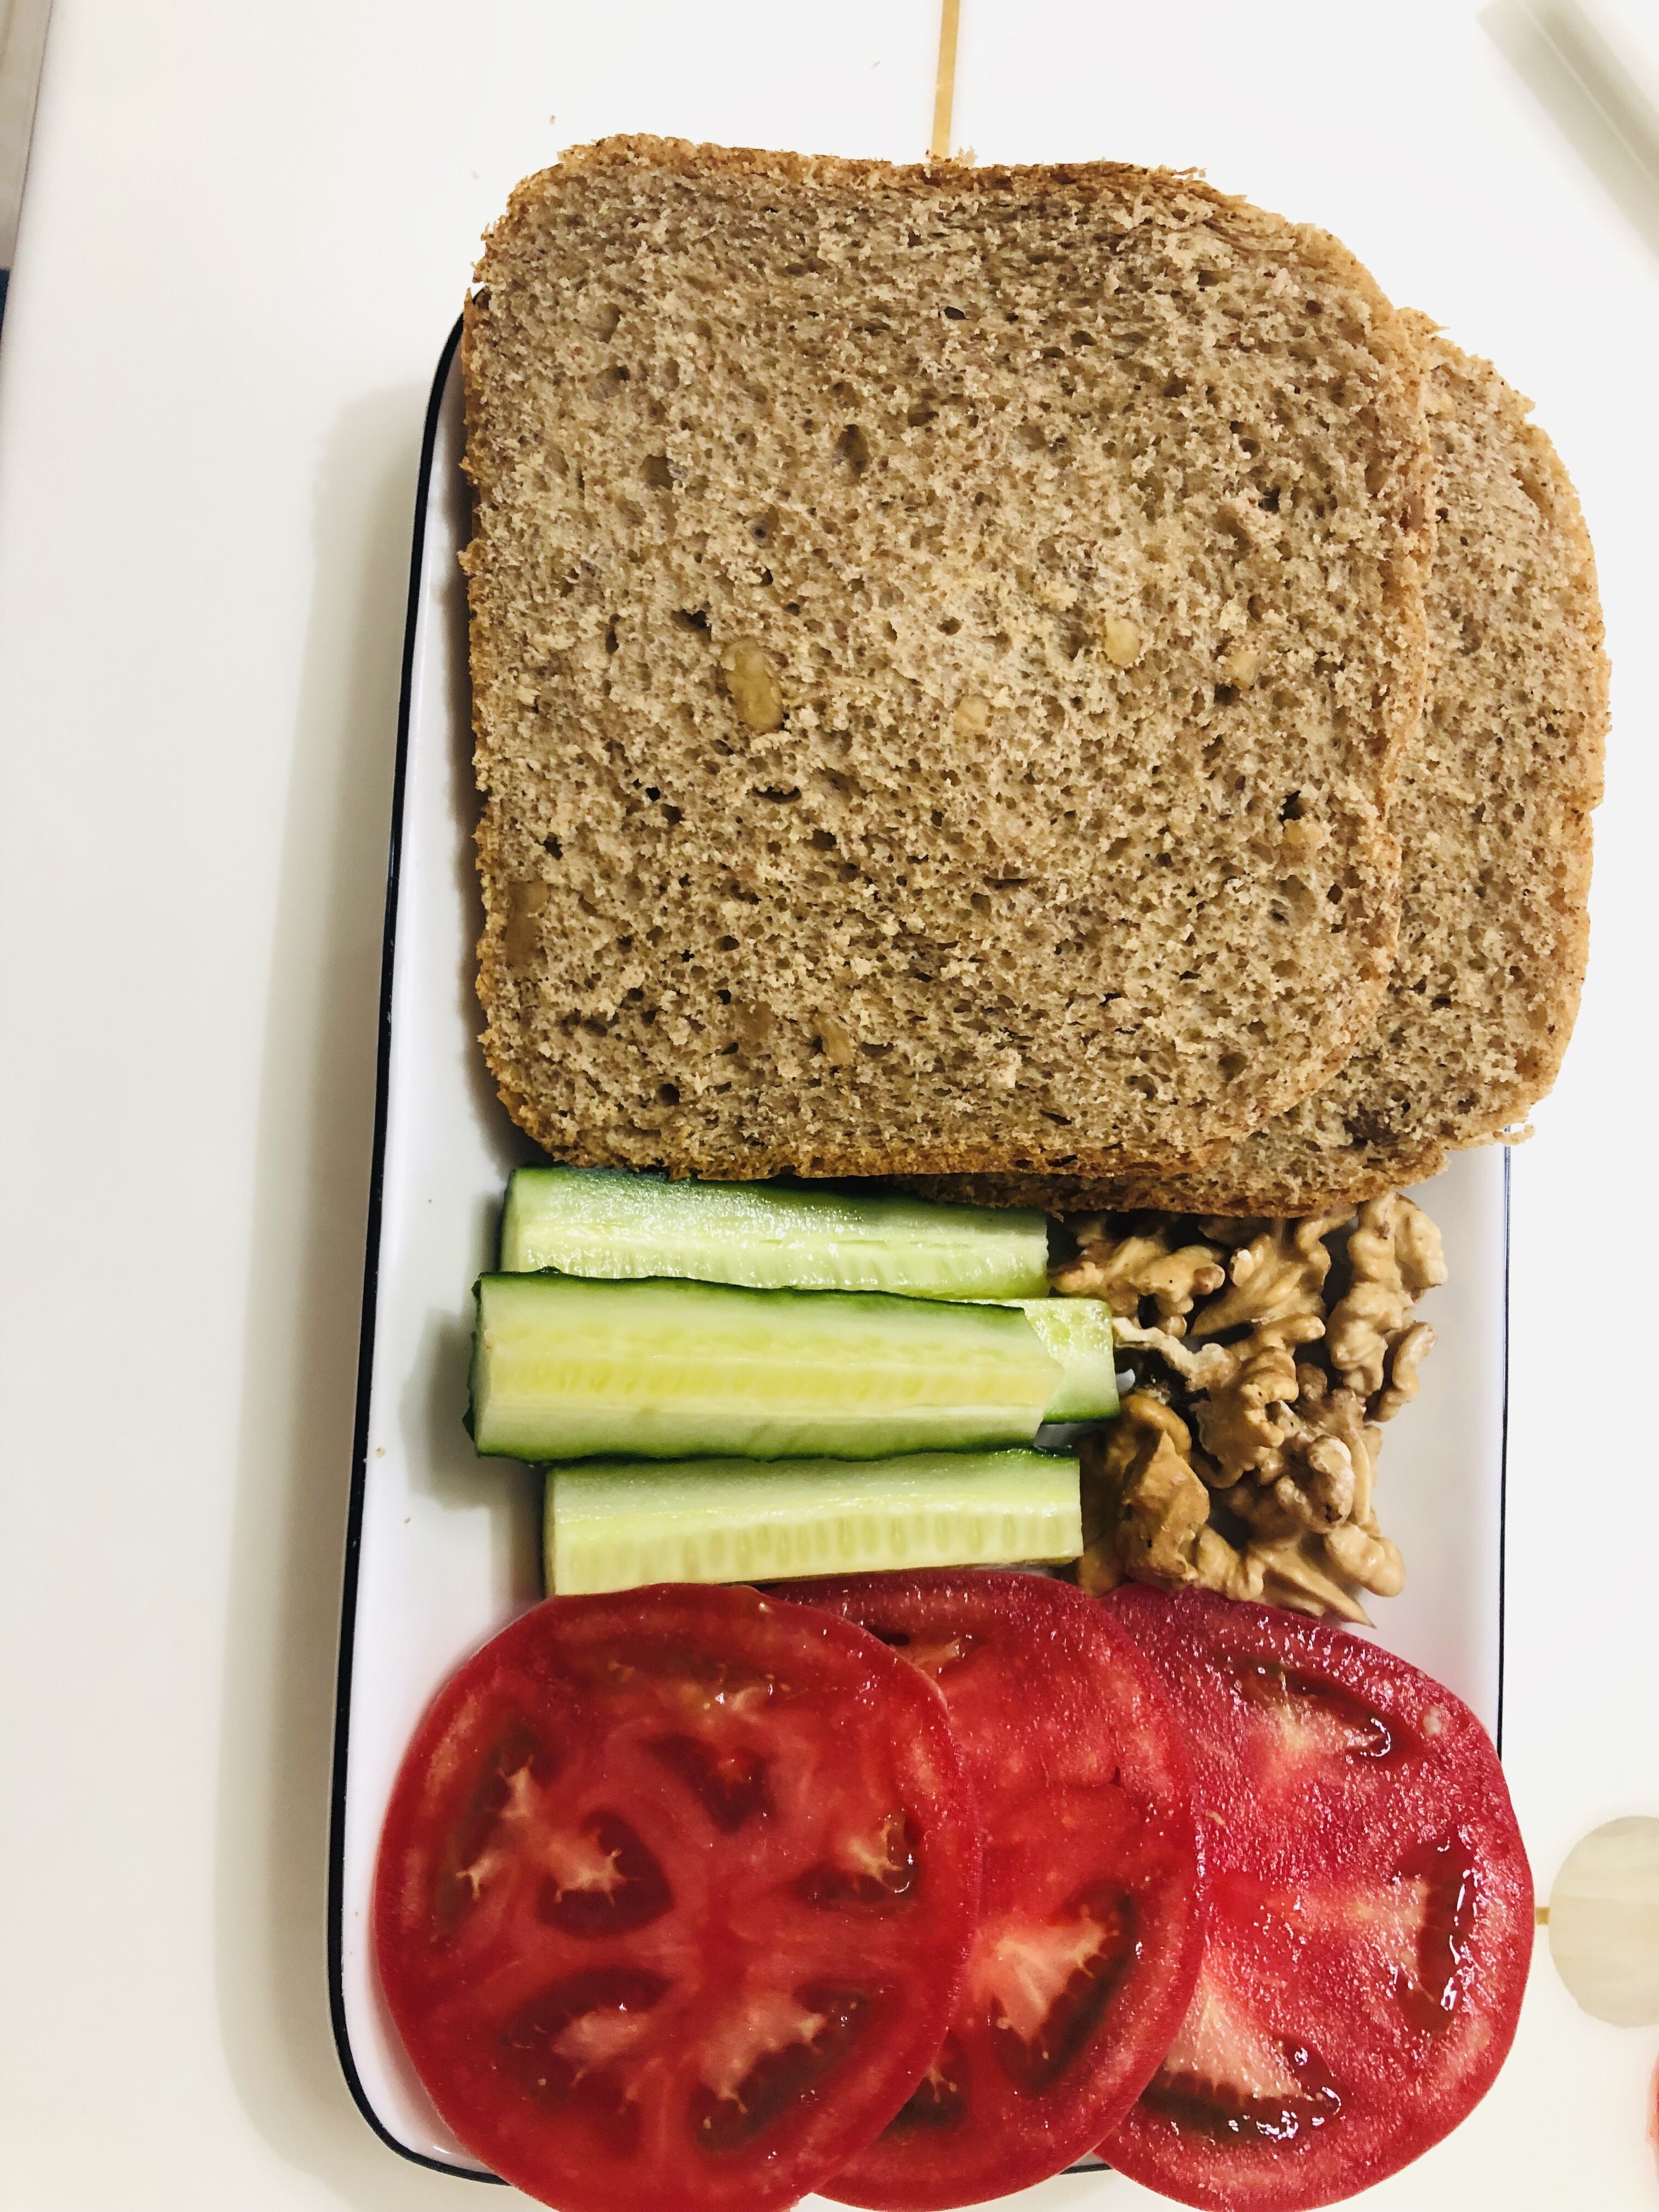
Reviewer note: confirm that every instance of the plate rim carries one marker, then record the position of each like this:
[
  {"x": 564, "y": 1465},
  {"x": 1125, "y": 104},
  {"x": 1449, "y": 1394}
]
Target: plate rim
[{"x": 342, "y": 1673}]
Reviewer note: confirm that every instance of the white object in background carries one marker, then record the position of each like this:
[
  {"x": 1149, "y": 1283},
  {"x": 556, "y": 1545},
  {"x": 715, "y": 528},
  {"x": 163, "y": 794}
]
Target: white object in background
[
  {"x": 22, "y": 46},
  {"x": 1604, "y": 1921}
]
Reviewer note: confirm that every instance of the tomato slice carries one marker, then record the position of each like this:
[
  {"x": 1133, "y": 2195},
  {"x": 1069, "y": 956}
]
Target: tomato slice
[
  {"x": 1369, "y": 1924},
  {"x": 673, "y": 1899},
  {"x": 1089, "y": 1932}
]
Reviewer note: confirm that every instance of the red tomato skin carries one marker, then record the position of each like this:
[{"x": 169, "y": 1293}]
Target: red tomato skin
[
  {"x": 513, "y": 1989},
  {"x": 1386, "y": 2066},
  {"x": 1084, "y": 1793}
]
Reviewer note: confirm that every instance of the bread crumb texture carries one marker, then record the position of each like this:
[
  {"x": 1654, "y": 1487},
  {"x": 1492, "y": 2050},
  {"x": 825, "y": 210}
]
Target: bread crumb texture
[
  {"x": 1493, "y": 816},
  {"x": 942, "y": 642}
]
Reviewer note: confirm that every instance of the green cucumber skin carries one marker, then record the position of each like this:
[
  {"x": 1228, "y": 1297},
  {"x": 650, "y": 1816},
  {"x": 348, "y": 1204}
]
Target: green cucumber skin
[
  {"x": 567, "y": 1369},
  {"x": 621, "y": 1525},
  {"x": 608, "y": 1223}
]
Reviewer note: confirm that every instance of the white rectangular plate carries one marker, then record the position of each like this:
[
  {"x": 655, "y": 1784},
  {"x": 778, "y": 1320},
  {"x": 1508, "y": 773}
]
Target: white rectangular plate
[{"x": 443, "y": 1547}]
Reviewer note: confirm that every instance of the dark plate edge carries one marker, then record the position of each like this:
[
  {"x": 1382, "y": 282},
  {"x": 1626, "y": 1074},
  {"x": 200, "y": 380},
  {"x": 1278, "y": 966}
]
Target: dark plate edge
[
  {"x": 1504, "y": 1452},
  {"x": 366, "y": 1335},
  {"x": 366, "y": 1355}
]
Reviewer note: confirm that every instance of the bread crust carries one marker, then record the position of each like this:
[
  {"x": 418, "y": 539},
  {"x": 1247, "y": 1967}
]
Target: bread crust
[{"x": 820, "y": 1110}]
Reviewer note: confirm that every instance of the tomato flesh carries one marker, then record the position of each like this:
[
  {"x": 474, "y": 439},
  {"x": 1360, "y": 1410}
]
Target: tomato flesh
[
  {"x": 674, "y": 1896},
  {"x": 1089, "y": 1932},
  {"x": 1369, "y": 1912}
]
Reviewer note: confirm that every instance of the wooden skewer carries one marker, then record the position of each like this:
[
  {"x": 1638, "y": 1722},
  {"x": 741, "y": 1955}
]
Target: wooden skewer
[{"x": 944, "y": 84}]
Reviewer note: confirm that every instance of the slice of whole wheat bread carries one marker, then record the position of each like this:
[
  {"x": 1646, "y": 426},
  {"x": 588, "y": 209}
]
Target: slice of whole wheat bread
[
  {"x": 942, "y": 642},
  {"x": 1493, "y": 814}
]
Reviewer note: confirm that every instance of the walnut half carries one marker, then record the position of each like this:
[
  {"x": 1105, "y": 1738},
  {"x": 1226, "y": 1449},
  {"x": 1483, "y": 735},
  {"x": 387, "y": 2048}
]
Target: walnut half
[
  {"x": 1394, "y": 1256},
  {"x": 1142, "y": 1504},
  {"x": 1131, "y": 1268}
]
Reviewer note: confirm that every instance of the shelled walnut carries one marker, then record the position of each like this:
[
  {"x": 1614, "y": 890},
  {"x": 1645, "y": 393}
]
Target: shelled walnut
[{"x": 1268, "y": 1354}]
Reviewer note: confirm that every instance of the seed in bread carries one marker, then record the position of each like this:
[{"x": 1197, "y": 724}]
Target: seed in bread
[
  {"x": 1493, "y": 814},
  {"x": 941, "y": 644}
]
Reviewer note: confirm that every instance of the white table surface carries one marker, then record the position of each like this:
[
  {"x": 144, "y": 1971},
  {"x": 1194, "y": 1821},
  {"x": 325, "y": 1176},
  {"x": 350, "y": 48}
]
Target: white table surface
[{"x": 246, "y": 231}]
